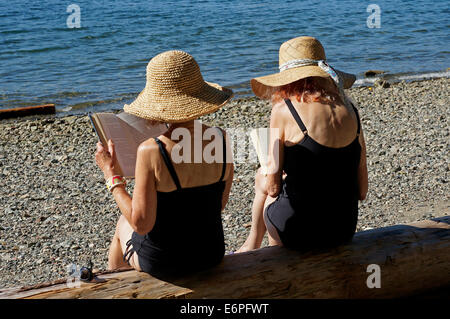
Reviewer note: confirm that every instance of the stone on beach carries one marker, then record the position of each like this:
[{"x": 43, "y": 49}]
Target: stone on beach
[{"x": 371, "y": 73}]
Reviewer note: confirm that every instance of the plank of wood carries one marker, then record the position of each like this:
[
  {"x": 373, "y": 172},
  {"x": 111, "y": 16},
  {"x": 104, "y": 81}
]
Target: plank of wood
[
  {"x": 413, "y": 259},
  {"x": 27, "y": 110}
]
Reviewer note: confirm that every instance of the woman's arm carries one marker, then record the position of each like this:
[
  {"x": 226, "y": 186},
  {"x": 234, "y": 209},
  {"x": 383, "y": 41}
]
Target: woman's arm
[
  {"x": 363, "y": 179},
  {"x": 229, "y": 173},
  {"x": 140, "y": 211},
  {"x": 276, "y": 152},
  {"x": 143, "y": 209},
  {"x": 228, "y": 183}
]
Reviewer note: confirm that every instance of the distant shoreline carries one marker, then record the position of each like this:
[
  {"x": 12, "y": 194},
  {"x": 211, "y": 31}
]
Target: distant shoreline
[{"x": 360, "y": 82}]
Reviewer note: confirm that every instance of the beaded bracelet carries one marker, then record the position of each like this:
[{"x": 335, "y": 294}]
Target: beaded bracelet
[{"x": 114, "y": 181}]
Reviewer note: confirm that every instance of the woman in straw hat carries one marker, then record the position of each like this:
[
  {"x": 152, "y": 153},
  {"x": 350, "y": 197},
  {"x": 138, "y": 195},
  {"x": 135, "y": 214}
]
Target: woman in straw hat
[
  {"x": 172, "y": 224},
  {"x": 317, "y": 170}
]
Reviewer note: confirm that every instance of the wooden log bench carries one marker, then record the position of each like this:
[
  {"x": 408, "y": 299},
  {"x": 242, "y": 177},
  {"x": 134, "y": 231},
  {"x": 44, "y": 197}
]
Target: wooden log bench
[{"x": 413, "y": 259}]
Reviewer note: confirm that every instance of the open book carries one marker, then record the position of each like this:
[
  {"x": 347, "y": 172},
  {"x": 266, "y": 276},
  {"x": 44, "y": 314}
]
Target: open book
[
  {"x": 127, "y": 132},
  {"x": 260, "y": 138}
]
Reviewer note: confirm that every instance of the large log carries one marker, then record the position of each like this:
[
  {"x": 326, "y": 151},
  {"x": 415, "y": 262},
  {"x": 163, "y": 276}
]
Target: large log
[
  {"x": 413, "y": 259},
  {"x": 27, "y": 110}
]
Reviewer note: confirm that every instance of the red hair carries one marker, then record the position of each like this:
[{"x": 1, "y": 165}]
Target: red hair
[{"x": 309, "y": 89}]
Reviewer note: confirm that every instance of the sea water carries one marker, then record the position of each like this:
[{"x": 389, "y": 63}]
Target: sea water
[{"x": 92, "y": 55}]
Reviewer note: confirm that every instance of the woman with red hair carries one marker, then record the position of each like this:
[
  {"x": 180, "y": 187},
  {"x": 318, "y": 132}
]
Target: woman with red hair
[{"x": 317, "y": 172}]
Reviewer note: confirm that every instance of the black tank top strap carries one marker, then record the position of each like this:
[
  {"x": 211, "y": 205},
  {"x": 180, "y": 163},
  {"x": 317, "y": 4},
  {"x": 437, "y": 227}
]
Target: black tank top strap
[
  {"x": 296, "y": 116},
  {"x": 224, "y": 152},
  {"x": 168, "y": 162},
  {"x": 357, "y": 118}
]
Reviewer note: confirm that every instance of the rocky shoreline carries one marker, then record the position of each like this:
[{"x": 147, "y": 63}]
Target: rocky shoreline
[{"x": 55, "y": 210}]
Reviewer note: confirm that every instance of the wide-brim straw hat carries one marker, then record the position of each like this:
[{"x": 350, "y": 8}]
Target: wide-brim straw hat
[
  {"x": 297, "y": 49},
  {"x": 175, "y": 90}
]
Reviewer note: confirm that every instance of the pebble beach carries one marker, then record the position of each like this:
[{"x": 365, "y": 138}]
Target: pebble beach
[{"x": 56, "y": 211}]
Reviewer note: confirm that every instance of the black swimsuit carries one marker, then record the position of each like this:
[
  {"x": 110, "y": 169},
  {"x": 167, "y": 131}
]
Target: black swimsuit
[
  {"x": 318, "y": 203},
  {"x": 188, "y": 233}
]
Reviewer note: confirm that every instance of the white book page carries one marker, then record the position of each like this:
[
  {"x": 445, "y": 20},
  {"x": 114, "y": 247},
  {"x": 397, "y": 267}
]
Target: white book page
[
  {"x": 260, "y": 138},
  {"x": 124, "y": 142},
  {"x": 141, "y": 128},
  {"x": 128, "y": 132}
]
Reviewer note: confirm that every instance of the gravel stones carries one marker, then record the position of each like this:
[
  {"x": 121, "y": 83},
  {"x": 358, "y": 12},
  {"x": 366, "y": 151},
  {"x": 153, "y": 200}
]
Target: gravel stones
[{"x": 55, "y": 209}]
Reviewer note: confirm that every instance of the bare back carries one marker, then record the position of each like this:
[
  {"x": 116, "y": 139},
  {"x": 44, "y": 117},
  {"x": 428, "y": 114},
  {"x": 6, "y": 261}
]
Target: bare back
[
  {"x": 190, "y": 173},
  {"x": 331, "y": 125}
]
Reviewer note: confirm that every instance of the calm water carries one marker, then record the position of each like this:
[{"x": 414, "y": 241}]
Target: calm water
[{"x": 101, "y": 65}]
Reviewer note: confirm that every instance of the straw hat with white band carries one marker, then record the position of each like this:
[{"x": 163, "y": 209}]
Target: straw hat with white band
[
  {"x": 300, "y": 58},
  {"x": 175, "y": 90}
]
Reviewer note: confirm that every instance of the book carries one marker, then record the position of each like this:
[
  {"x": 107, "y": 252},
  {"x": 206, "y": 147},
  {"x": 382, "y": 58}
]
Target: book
[
  {"x": 260, "y": 138},
  {"x": 127, "y": 132},
  {"x": 266, "y": 143}
]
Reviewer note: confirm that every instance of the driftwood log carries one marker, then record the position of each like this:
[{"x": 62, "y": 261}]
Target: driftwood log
[
  {"x": 413, "y": 259},
  {"x": 27, "y": 110}
]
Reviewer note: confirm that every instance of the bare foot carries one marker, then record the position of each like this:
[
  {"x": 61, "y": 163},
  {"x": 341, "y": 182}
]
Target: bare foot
[{"x": 248, "y": 245}]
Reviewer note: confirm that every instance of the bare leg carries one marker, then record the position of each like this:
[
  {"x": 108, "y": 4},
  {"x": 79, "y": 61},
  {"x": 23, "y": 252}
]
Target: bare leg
[
  {"x": 258, "y": 228},
  {"x": 118, "y": 246},
  {"x": 115, "y": 260}
]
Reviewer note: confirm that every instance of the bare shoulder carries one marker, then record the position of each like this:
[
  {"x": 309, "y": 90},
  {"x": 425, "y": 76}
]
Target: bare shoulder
[
  {"x": 148, "y": 151},
  {"x": 148, "y": 146},
  {"x": 278, "y": 114},
  {"x": 278, "y": 107}
]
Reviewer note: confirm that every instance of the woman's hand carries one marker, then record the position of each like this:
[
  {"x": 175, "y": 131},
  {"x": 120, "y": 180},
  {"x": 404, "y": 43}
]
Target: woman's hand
[
  {"x": 273, "y": 184},
  {"x": 106, "y": 159}
]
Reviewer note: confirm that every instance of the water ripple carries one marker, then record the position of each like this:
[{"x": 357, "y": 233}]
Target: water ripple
[{"x": 42, "y": 60}]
